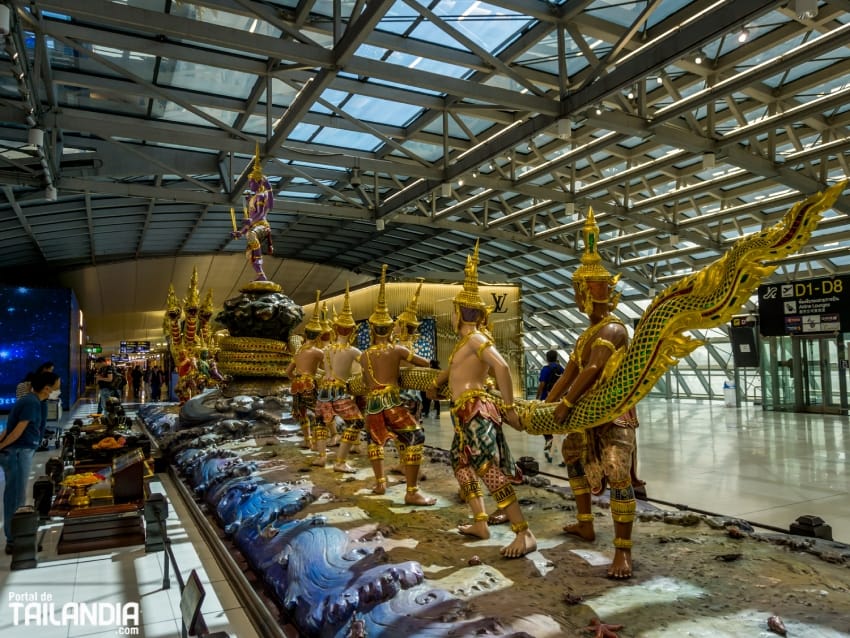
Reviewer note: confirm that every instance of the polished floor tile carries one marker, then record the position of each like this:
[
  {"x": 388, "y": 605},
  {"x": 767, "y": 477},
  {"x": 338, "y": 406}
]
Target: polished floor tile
[{"x": 764, "y": 467}]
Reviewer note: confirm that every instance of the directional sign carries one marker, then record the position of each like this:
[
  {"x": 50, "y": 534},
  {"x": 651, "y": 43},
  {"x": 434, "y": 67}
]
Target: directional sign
[{"x": 805, "y": 307}]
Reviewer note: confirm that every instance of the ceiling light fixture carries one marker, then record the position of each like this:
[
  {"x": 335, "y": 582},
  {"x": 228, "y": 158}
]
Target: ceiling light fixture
[
  {"x": 355, "y": 180},
  {"x": 35, "y": 136},
  {"x": 565, "y": 128},
  {"x": 446, "y": 189},
  {"x": 699, "y": 58},
  {"x": 599, "y": 110},
  {"x": 708, "y": 160},
  {"x": 806, "y": 9},
  {"x": 744, "y": 35}
]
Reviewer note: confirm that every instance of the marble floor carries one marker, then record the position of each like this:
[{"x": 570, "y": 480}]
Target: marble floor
[
  {"x": 119, "y": 576},
  {"x": 765, "y": 467},
  {"x": 768, "y": 468}
]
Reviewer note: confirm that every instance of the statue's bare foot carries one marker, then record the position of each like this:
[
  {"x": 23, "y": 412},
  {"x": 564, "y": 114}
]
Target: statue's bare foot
[
  {"x": 320, "y": 461},
  {"x": 344, "y": 467},
  {"x": 417, "y": 498},
  {"x": 478, "y": 529},
  {"x": 581, "y": 529},
  {"x": 497, "y": 518},
  {"x": 621, "y": 567},
  {"x": 380, "y": 488},
  {"x": 523, "y": 544}
]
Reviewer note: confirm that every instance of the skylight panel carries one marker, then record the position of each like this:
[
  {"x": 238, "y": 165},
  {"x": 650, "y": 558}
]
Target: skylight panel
[
  {"x": 248, "y": 23},
  {"x": 370, "y": 109},
  {"x": 410, "y": 61},
  {"x": 398, "y": 19},
  {"x": 176, "y": 113},
  {"x": 616, "y": 12},
  {"x": 206, "y": 79},
  {"x": 302, "y": 132},
  {"x": 347, "y": 139}
]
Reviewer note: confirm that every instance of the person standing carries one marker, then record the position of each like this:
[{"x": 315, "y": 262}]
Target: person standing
[
  {"x": 103, "y": 378},
  {"x": 427, "y": 402},
  {"x": 549, "y": 374},
  {"x": 136, "y": 380},
  {"x": 479, "y": 449},
  {"x": 157, "y": 380},
  {"x": 23, "y": 388},
  {"x": 23, "y": 434}
]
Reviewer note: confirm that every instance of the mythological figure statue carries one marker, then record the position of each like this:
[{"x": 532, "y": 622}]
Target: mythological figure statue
[
  {"x": 479, "y": 448},
  {"x": 302, "y": 375},
  {"x": 605, "y": 451},
  {"x": 259, "y": 201},
  {"x": 187, "y": 328},
  {"x": 386, "y": 416},
  {"x": 336, "y": 408}
]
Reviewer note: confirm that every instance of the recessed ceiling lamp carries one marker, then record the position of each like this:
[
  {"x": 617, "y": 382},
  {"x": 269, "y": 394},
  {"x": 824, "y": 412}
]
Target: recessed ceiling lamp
[
  {"x": 699, "y": 58},
  {"x": 744, "y": 35}
]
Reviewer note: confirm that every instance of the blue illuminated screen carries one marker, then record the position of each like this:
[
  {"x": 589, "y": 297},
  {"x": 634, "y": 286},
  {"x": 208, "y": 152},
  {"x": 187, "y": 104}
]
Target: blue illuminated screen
[{"x": 35, "y": 325}]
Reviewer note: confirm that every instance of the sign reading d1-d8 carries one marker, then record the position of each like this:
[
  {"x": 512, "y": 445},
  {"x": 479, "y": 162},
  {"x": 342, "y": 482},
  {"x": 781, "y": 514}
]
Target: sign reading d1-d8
[{"x": 786, "y": 304}]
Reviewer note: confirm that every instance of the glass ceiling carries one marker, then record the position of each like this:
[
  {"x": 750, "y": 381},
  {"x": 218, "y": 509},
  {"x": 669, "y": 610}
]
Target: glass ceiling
[{"x": 453, "y": 119}]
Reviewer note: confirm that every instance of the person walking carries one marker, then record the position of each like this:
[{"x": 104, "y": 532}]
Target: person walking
[
  {"x": 136, "y": 380},
  {"x": 550, "y": 373},
  {"x": 103, "y": 378},
  {"x": 23, "y": 434},
  {"x": 157, "y": 379}
]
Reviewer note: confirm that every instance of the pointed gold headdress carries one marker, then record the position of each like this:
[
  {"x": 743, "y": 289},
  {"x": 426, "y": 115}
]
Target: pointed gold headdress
[
  {"x": 327, "y": 327},
  {"x": 256, "y": 173},
  {"x": 469, "y": 297},
  {"x": 410, "y": 315},
  {"x": 345, "y": 318},
  {"x": 315, "y": 325},
  {"x": 591, "y": 276},
  {"x": 381, "y": 315}
]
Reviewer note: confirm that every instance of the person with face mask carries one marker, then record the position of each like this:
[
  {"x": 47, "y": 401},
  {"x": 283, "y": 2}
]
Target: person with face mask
[{"x": 23, "y": 435}]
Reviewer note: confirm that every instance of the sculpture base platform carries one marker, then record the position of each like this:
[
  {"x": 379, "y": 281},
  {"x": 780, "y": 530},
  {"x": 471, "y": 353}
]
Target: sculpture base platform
[{"x": 694, "y": 574}]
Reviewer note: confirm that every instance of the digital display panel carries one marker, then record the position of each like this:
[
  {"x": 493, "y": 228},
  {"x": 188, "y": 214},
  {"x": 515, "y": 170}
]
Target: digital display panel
[{"x": 35, "y": 324}]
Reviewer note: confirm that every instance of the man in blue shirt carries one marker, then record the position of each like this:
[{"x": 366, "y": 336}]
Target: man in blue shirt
[
  {"x": 23, "y": 434},
  {"x": 550, "y": 373}
]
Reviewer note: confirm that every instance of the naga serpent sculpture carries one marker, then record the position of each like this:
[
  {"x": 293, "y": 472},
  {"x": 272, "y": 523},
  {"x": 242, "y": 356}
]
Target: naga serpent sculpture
[{"x": 701, "y": 300}]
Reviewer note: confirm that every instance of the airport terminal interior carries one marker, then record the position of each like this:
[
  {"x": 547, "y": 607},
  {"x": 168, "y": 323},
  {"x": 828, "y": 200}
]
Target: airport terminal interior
[{"x": 203, "y": 199}]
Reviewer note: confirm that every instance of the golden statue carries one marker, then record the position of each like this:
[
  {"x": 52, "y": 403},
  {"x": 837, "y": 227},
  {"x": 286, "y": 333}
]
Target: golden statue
[
  {"x": 607, "y": 376},
  {"x": 187, "y": 328}
]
